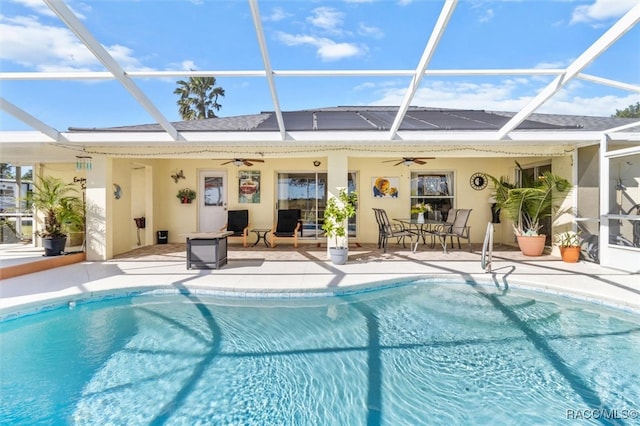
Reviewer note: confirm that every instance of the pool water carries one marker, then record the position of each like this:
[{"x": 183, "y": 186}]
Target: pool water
[{"x": 420, "y": 353}]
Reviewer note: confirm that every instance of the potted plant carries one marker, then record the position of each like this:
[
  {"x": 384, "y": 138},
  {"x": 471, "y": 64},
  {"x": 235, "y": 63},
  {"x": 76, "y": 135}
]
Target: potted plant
[
  {"x": 527, "y": 205},
  {"x": 569, "y": 243},
  {"x": 186, "y": 195},
  {"x": 336, "y": 214},
  {"x": 63, "y": 211},
  {"x": 420, "y": 209}
]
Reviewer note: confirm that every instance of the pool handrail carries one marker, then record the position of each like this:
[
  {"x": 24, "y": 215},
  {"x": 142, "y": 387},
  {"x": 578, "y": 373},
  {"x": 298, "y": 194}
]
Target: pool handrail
[{"x": 487, "y": 249}]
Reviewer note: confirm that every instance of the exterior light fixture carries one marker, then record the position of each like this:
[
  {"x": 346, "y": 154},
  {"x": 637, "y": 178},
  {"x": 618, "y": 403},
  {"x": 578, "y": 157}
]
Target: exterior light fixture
[
  {"x": 316, "y": 163},
  {"x": 83, "y": 162}
]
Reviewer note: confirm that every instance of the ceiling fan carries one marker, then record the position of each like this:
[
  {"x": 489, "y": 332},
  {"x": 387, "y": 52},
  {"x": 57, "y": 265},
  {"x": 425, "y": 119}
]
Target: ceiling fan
[
  {"x": 240, "y": 161},
  {"x": 407, "y": 161}
]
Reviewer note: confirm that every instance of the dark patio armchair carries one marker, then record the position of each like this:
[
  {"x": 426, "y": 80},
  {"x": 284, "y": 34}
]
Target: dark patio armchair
[
  {"x": 387, "y": 230},
  {"x": 238, "y": 223},
  {"x": 287, "y": 226},
  {"x": 458, "y": 229}
]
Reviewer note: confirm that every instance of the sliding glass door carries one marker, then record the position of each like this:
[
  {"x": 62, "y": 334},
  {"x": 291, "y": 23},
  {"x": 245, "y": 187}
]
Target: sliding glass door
[{"x": 307, "y": 192}]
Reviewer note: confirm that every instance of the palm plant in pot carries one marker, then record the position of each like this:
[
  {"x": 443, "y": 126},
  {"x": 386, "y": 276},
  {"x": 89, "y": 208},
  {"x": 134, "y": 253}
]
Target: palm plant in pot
[
  {"x": 62, "y": 210},
  {"x": 528, "y": 205},
  {"x": 336, "y": 214},
  {"x": 569, "y": 243}
]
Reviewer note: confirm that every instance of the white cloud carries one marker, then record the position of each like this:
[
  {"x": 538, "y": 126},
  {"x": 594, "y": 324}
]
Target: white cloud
[
  {"x": 277, "y": 14},
  {"x": 188, "y": 65},
  {"x": 486, "y": 17},
  {"x": 39, "y": 7},
  {"x": 28, "y": 42},
  {"x": 601, "y": 10},
  {"x": 327, "y": 19},
  {"x": 326, "y": 49},
  {"x": 554, "y": 65},
  {"x": 374, "y": 32},
  {"x": 334, "y": 51},
  {"x": 602, "y": 106},
  {"x": 504, "y": 96}
]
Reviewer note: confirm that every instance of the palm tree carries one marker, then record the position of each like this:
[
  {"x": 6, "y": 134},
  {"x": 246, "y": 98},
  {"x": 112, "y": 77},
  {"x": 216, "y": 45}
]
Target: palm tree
[
  {"x": 198, "y": 98},
  {"x": 6, "y": 171}
]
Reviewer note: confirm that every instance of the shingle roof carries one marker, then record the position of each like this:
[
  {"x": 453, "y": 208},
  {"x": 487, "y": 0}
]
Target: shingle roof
[{"x": 380, "y": 118}]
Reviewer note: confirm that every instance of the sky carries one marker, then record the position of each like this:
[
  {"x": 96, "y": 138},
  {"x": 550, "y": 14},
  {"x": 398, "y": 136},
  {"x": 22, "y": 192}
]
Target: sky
[{"x": 218, "y": 35}]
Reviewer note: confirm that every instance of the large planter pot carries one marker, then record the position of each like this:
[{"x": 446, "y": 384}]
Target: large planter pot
[
  {"x": 54, "y": 246},
  {"x": 570, "y": 254},
  {"x": 338, "y": 255},
  {"x": 531, "y": 245}
]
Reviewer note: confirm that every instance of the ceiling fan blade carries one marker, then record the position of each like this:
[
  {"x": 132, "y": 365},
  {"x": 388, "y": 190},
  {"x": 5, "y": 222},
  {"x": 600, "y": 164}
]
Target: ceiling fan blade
[
  {"x": 255, "y": 160},
  {"x": 247, "y": 163},
  {"x": 399, "y": 162},
  {"x": 226, "y": 162},
  {"x": 389, "y": 161},
  {"x": 417, "y": 161},
  {"x": 424, "y": 158}
]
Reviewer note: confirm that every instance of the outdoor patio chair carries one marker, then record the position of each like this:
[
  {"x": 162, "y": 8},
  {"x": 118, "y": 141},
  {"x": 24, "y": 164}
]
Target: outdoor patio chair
[
  {"x": 238, "y": 223},
  {"x": 376, "y": 213},
  {"x": 458, "y": 229},
  {"x": 444, "y": 227},
  {"x": 287, "y": 226},
  {"x": 389, "y": 230}
]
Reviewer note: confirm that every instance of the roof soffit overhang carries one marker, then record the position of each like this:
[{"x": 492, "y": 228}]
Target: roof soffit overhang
[{"x": 343, "y": 137}]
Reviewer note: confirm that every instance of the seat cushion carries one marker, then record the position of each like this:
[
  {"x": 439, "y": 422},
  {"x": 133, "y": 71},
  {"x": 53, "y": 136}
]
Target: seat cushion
[
  {"x": 287, "y": 222},
  {"x": 237, "y": 220}
]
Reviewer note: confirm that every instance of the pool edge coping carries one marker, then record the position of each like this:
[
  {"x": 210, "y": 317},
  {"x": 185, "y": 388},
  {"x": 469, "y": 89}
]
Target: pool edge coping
[{"x": 230, "y": 293}]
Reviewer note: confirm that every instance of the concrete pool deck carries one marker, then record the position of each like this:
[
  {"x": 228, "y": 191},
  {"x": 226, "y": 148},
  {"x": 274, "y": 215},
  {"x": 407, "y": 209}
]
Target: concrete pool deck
[{"x": 286, "y": 269}]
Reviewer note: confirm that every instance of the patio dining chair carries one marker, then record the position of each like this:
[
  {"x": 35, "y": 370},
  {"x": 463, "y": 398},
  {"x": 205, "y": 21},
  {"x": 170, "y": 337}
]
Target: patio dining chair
[
  {"x": 444, "y": 227},
  {"x": 458, "y": 229},
  {"x": 286, "y": 226},
  {"x": 238, "y": 223},
  {"x": 376, "y": 213},
  {"x": 389, "y": 230}
]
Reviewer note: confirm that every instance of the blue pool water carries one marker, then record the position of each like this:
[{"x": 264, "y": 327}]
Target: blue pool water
[{"x": 420, "y": 353}]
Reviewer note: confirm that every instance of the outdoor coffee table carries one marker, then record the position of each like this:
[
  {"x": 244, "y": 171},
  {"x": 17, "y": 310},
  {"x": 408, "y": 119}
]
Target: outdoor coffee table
[{"x": 262, "y": 235}]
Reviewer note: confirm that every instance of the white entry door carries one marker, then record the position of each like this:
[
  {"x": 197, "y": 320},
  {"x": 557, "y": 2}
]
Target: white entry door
[{"x": 212, "y": 206}]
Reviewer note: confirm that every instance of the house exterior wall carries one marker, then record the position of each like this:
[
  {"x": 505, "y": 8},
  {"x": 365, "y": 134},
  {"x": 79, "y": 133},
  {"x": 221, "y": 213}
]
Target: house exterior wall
[
  {"x": 67, "y": 173},
  {"x": 147, "y": 189}
]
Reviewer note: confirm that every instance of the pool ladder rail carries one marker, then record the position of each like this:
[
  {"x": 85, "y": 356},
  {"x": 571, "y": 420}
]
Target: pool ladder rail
[{"x": 487, "y": 249}]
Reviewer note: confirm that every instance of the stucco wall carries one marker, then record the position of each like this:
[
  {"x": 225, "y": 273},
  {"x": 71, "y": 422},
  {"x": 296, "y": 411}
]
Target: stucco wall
[
  {"x": 147, "y": 189},
  {"x": 169, "y": 214},
  {"x": 65, "y": 171}
]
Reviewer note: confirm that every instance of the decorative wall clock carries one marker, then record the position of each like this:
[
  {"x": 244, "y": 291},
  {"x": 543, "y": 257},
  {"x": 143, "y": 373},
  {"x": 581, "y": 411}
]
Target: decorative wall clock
[{"x": 478, "y": 181}]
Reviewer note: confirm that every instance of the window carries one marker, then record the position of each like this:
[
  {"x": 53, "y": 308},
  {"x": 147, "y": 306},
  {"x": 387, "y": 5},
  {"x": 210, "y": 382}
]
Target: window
[{"x": 435, "y": 189}]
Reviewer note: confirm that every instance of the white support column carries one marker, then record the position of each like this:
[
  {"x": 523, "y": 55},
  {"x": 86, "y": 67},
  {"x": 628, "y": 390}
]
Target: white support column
[
  {"x": 337, "y": 178},
  {"x": 576, "y": 188},
  {"x": 603, "y": 238},
  {"x": 99, "y": 234},
  {"x": 18, "y": 197}
]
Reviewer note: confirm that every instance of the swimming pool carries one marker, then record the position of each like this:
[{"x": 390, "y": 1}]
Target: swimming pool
[{"x": 419, "y": 353}]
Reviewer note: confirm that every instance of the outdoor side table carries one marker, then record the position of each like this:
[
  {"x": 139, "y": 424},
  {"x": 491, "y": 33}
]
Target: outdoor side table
[
  {"x": 207, "y": 250},
  {"x": 261, "y": 233}
]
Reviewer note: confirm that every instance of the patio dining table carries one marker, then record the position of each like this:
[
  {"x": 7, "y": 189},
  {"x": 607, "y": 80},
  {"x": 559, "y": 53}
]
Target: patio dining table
[{"x": 423, "y": 228}]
